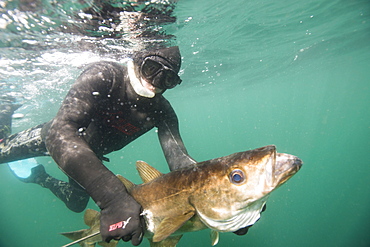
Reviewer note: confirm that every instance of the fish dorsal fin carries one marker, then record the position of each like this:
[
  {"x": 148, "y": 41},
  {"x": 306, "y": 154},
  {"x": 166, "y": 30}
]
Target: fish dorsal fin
[
  {"x": 128, "y": 184},
  {"x": 168, "y": 242},
  {"x": 169, "y": 225},
  {"x": 90, "y": 216},
  {"x": 147, "y": 172},
  {"x": 215, "y": 236}
]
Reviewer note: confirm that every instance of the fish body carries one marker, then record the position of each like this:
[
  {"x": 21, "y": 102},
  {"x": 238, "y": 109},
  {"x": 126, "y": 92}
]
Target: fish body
[{"x": 224, "y": 194}]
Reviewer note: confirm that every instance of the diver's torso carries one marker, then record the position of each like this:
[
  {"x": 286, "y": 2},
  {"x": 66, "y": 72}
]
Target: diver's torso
[{"x": 122, "y": 118}]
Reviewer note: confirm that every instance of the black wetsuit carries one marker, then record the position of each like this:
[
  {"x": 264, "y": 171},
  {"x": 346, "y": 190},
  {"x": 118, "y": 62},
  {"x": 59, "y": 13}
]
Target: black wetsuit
[{"x": 100, "y": 114}]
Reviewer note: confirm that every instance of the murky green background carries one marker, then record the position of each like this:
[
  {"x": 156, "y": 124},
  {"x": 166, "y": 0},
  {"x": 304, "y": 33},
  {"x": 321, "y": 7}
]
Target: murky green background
[{"x": 291, "y": 73}]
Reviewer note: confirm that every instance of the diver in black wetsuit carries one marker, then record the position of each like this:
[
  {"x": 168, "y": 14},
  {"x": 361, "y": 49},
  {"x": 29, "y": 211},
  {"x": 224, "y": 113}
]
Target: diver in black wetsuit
[{"x": 107, "y": 107}]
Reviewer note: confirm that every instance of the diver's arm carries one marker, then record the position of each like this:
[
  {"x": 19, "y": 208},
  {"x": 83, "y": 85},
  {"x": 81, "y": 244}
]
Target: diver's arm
[
  {"x": 64, "y": 138},
  {"x": 171, "y": 141},
  {"x": 74, "y": 156}
]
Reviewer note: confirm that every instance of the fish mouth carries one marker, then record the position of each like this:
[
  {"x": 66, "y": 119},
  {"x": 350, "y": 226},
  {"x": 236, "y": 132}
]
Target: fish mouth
[{"x": 286, "y": 165}]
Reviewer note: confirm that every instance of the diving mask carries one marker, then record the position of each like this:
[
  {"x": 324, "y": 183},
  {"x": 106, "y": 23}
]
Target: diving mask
[{"x": 160, "y": 75}]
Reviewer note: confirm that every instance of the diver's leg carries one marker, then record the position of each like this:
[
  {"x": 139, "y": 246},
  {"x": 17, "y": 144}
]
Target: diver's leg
[
  {"x": 27, "y": 144},
  {"x": 73, "y": 196},
  {"x": 7, "y": 109},
  {"x": 22, "y": 145}
]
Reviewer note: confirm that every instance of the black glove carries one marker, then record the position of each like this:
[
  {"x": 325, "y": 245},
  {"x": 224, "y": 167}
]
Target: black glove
[
  {"x": 120, "y": 219},
  {"x": 120, "y": 213},
  {"x": 243, "y": 231}
]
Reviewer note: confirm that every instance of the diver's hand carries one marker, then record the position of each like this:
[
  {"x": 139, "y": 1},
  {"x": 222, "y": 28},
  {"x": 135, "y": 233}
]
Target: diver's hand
[
  {"x": 120, "y": 219},
  {"x": 243, "y": 231}
]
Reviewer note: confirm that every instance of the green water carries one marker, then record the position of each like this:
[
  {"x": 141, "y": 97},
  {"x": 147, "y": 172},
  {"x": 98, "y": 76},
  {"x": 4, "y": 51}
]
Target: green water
[{"x": 291, "y": 73}]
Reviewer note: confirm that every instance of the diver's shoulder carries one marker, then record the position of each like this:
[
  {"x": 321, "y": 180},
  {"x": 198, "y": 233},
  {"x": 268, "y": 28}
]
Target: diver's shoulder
[
  {"x": 105, "y": 65},
  {"x": 104, "y": 69},
  {"x": 164, "y": 105}
]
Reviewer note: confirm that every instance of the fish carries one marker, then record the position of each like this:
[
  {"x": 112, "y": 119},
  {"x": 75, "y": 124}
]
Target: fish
[{"x": 223, "y": 194}]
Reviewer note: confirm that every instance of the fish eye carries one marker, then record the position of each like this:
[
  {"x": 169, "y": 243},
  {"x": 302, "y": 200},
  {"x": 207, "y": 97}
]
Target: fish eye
[{"x": 237, "y": 176}]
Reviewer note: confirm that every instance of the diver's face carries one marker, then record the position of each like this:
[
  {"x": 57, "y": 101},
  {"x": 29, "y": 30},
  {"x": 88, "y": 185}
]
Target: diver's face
[
  {"x": 150, "y": 87},
  {"x": 157, "y": 74}
]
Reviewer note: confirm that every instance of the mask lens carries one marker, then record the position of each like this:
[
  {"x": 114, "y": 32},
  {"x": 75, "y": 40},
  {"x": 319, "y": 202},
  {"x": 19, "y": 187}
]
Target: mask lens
[
  {"x": 171, "y": 79},
  {"x": 150, "y": 68},
  {"x": 160, "y": 75}
]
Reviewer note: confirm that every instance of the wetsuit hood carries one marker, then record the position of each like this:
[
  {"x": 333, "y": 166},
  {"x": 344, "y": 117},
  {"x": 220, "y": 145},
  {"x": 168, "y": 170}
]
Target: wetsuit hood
[
  {"x": 155, "y": 71},
  {"x": 170, "y": 56}
]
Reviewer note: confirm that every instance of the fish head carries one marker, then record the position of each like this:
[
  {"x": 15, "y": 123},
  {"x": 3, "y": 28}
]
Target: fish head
[{"x": 238, "y": 186}]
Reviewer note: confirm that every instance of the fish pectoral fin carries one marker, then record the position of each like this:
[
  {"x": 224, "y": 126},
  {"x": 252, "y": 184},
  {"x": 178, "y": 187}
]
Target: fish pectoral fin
[
  {"x": 127, "y": 183},
  {"x": 74, "y": 235},
  {"x": 91, "y": 216},
  {"x": 147, "y": 172},
  {"x": 168, "y": 242},
  {"x": 215, "y": 236},
  {"x": 169, "y": 225}
]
